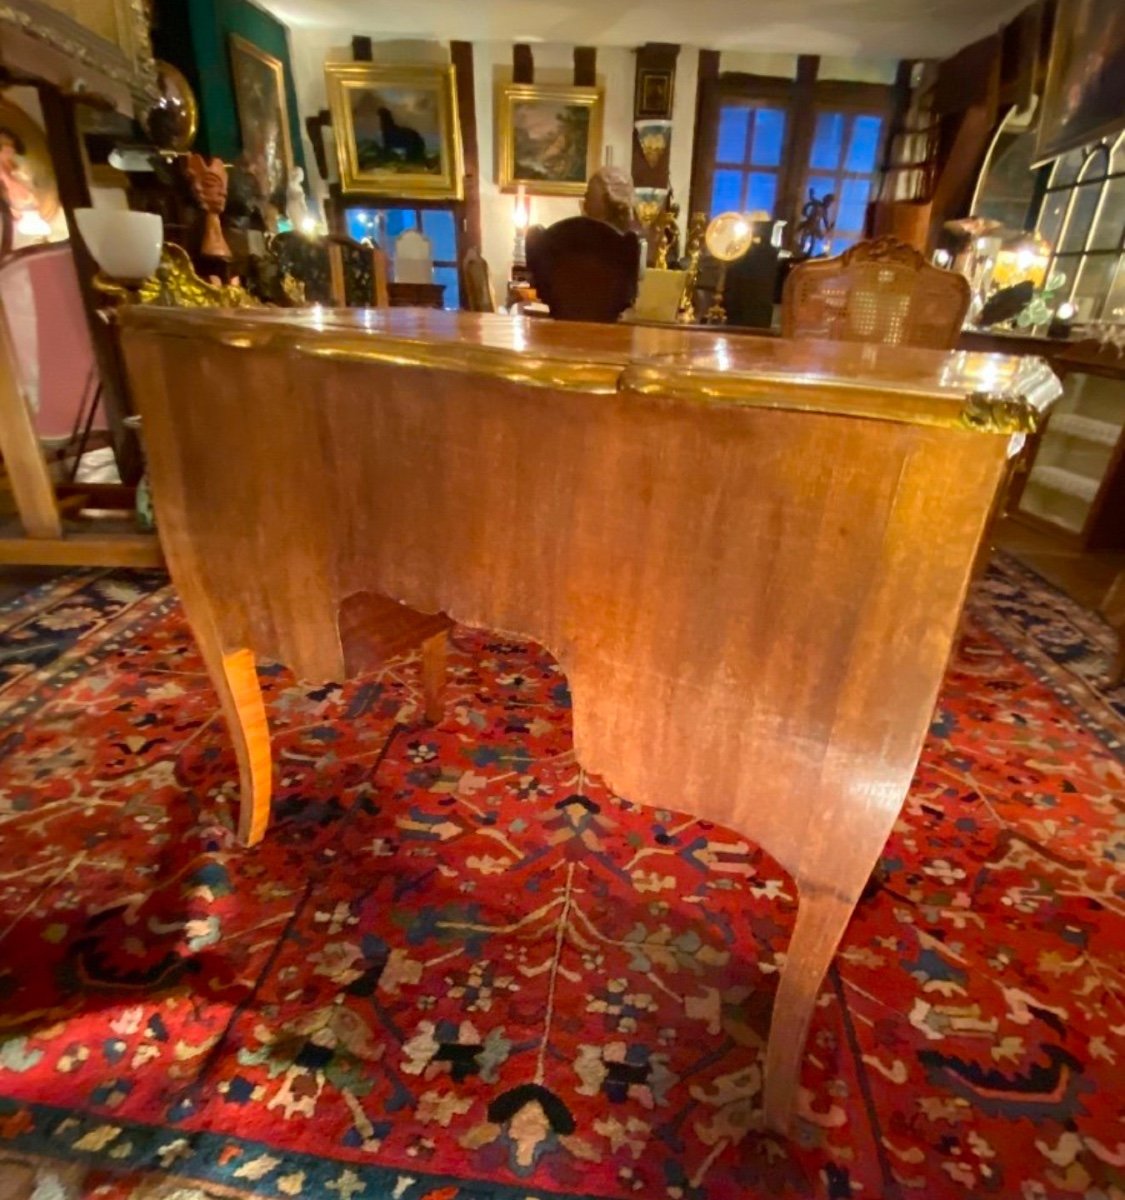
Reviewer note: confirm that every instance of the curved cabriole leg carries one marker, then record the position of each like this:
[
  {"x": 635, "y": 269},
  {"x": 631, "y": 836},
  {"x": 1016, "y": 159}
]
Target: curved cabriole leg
[
  {"x": 822, "y": 917},
  {"x": 433, "y": 676},
  {"x": 235, "y": 679},
  {"x": 241, "y": 699}
]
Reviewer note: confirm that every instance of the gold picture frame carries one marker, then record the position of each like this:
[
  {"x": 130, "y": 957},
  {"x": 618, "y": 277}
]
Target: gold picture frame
[
  {"x": 1081, "y": 100},
  {"x": 389, "y": 119},
  {"x": 263, "y": 116},
  {"x": 549, "y": 137}
]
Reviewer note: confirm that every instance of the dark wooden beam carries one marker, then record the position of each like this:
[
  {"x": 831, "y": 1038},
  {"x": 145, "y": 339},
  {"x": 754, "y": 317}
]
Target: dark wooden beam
[
  {"x": 1020, "y": 40},
  {"x": 361, "y": 49},
  {"x": 653, "y": 56},
  {"x": 470, "y": 239},
  {"x": 802, "y": 114},
  {"x": 968, "y": 120},
  {"x": 706, "y": 133},
  {"x": 523, "y": 65},
  {"x": 585, "y": 66}
]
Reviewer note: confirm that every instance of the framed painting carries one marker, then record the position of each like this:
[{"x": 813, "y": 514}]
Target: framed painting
[
  {"x": 259, "y": 93},
  {"x": 653, "y": 99},
  {"x": 550, "y": 137},
  {"x": 397, "y": 131},
  {"x": 27, "y": 176},
  {"x": 1084, "y": 98}
]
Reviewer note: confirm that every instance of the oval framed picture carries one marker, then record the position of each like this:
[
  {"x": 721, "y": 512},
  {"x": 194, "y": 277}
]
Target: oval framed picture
[{"x": 27, "y": 176}]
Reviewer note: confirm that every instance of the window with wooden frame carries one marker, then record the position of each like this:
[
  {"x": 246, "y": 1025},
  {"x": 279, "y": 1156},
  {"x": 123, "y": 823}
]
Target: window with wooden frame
[
  {"x": 383, "y": 220},
  {"x": 1083, "y": 218},
  {"x": 765, "y": 143},
  {"x": 749, "y": 149},
  {"x": 844, "y": 161}
]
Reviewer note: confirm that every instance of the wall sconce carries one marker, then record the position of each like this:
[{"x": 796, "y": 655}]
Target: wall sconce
[
  {"x": 126, "y": 245},
  {"x": 654, "y": 137},
  {"x": 521, "y": 219}
]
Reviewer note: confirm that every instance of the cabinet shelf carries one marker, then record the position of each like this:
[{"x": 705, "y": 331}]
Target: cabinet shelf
[
  {"x": 1103, "y": 433},
  {"x": 1069, "y": 483}
]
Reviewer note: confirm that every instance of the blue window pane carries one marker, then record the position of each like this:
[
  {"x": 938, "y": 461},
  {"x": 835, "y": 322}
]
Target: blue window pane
[
  {"x": 438, "y": 226},
  {"x": 864, "y": 144},
  {"x": 769, "y": 136},
  {"x": 762, "y": 192},
  {"x": 398, "y": 220},
  {"x": 447, "y": 277},
  {"x": 852, "y": 207},
  {"x": 732, "y": 134},
  {"x": 840, "y": 244},
  {"x": 361, "y": 223},
  {"x": 827, "y": 141},
  {"x": 726, "y": 192}
]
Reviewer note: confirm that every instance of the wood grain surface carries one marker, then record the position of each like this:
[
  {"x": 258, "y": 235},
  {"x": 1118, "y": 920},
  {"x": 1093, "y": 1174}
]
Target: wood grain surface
[{"x": 748, "y": 557}]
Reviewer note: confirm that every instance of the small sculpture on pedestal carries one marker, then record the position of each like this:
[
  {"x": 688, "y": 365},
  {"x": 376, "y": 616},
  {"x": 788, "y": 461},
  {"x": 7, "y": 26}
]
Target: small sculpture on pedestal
[
  {"x": 209, "y": 187},
  {"x": 296, "y": 206},
  {"x": 816, "y": 225}
]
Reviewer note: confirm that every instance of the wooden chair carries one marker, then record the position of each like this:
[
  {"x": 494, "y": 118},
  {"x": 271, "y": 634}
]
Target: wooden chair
[
  {"x": 46, "y": 319},
  {"x": 880, "y": 291},
  {"x": 50, "y": 389},
  {"x": 584, "y": 270},
  {"x": 336, "y": 271},
  {"x": 359, "y": 273},
  {"x": 478, "y": 283}
]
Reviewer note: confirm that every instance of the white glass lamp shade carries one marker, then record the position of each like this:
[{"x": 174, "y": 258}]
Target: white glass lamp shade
[{"x": 126, "y": 245}]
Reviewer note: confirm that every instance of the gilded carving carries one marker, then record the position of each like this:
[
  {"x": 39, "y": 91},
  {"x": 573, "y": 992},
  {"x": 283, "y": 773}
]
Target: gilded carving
[
  {"x": 176, "y": 285},
  {"x": 111, "y": 37}
]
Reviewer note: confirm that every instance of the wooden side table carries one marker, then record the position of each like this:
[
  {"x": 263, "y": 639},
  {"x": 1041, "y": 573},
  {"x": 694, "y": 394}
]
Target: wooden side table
[{"x": 416, "y": 295}]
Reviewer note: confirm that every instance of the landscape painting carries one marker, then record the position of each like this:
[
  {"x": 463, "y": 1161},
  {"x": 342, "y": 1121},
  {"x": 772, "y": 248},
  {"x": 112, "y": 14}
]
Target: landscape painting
[
  {"x": 550, "y": 137},
  {"x": 396, "y": 129}
]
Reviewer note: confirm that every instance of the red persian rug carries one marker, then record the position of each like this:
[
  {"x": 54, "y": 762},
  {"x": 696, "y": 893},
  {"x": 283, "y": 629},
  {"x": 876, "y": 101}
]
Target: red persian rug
[{"x": 459, "y": 969}]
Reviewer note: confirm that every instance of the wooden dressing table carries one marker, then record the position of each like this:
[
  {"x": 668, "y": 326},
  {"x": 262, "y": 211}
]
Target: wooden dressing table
[{"x": 748, "y": 555}]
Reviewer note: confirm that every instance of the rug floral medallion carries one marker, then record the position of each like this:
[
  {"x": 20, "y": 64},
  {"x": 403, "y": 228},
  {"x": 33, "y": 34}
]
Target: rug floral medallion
[{"x": 458, "y": 968}]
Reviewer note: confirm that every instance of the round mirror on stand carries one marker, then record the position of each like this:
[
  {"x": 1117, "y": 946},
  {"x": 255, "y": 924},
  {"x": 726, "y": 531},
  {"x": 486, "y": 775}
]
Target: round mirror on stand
[{"x": 728, "y": 237}]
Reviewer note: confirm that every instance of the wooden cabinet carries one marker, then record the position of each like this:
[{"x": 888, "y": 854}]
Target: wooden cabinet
[
  {"x": 1073, "y": 482},
  {"x": 1071, "y": 477}
]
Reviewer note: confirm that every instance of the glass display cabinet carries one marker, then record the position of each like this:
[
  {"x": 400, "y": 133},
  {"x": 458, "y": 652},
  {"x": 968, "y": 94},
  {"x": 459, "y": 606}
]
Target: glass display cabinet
[{"x": 1076, "y": 480}]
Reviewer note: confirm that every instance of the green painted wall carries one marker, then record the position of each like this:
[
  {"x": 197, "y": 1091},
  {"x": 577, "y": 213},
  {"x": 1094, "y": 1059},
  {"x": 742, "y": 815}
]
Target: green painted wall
[{"x": 194, "y": 36}]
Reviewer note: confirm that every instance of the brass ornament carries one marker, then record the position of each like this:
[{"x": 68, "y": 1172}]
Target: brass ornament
[
  {"x": 131, "y": 64},
  {"x": 176, "y": 285},
  {"x": 697, "y": 227}
]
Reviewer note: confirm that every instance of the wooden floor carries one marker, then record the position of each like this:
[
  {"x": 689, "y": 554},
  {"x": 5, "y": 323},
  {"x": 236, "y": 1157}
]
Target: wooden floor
[{"x": 1085, "y": 577}]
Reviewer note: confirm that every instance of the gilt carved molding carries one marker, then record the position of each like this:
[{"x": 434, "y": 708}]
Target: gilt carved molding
[{"x": 127, "y": 61}]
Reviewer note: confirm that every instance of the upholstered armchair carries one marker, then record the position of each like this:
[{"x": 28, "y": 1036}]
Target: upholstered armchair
[{"x": 584, "y": 270}]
